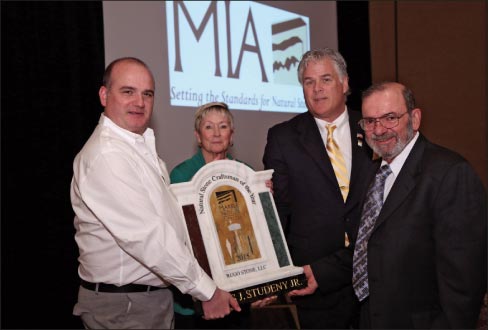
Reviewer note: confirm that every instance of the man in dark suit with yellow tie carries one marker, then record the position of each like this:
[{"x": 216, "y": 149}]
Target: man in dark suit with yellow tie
[
  {"x": 320, "y": 164},
  {"x": 421, "y": 252}
]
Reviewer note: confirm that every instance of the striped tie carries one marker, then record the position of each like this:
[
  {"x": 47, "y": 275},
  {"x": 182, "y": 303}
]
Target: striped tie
[
  {"x": 338, "y": 162},
  {"x": 371, "y": 210}
]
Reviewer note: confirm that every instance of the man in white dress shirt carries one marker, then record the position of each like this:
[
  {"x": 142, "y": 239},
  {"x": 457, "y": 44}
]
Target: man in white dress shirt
[{"x": 129, "y": 228}]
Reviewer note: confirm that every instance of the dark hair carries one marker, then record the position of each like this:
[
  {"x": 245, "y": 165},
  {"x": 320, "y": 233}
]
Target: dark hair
[
  {"x": 107, "y": 75},
  {"x": 407, "y": 93}
]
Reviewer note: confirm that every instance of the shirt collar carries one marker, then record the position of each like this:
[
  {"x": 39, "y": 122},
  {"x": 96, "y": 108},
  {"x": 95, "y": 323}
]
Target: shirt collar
[
  {"x": 340, "y": 121},
  {"x": 129, "y": 136}
]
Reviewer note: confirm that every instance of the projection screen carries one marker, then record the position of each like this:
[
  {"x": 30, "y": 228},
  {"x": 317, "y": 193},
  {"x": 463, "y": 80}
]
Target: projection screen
[{"x": 244, "y": 53}]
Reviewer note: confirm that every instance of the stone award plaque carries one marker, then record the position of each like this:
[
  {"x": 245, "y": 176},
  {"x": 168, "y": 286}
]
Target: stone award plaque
[{"x": 235, "y": 232}]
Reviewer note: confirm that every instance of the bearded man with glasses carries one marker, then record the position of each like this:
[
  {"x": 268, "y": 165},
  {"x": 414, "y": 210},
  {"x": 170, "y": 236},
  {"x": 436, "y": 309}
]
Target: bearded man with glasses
[{"x": 420, "y": 260}]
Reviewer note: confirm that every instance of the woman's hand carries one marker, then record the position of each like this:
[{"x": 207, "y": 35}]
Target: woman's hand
[{"x": 269, "y": 184}]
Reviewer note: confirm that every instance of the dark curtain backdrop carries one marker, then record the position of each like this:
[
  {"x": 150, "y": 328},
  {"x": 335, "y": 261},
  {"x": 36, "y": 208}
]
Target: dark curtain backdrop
[
  {"x": 353, "y": 30},
  {"x": 52, "y": 61}
]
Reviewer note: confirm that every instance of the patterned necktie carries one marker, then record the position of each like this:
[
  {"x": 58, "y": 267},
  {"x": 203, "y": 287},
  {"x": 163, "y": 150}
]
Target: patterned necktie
[
  {"x": 338, "y": 162},
  {"x": 371, "y": 210}
]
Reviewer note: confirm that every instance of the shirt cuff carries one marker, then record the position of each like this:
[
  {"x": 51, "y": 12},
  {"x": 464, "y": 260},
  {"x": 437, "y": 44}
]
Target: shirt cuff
[{"x": 205, "y": 288}]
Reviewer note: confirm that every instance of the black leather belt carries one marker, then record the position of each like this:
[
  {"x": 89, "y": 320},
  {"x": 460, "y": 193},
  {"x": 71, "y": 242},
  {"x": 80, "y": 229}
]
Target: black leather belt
[{"x": 102, "y": 287}]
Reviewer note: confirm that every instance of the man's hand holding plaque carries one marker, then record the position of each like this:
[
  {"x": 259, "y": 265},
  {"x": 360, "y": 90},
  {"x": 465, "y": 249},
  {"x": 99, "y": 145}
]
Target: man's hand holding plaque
[
  {"x": 221, "y": 304},
  {"x": 264, "y": 302},
  {"x": 311, "y": 284}
]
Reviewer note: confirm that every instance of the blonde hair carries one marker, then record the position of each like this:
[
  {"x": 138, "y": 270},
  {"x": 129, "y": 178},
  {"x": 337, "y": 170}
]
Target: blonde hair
[{"x": 219, "y": 107}]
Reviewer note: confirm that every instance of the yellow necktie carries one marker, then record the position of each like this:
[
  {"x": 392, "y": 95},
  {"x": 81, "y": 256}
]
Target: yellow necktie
[{"x": 338, "y": 162}]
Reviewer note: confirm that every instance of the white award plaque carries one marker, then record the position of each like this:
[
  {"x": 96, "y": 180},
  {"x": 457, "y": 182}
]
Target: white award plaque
[{"x": 235, "y": 231}]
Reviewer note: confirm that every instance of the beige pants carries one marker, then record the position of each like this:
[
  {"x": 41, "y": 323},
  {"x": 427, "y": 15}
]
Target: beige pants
[{"x": 135, "y": 310}]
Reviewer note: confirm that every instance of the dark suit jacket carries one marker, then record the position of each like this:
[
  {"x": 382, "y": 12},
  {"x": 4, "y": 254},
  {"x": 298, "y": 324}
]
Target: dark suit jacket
[
  {"x": 427, "y": 253},
  {"x": 311, "y": 208}
]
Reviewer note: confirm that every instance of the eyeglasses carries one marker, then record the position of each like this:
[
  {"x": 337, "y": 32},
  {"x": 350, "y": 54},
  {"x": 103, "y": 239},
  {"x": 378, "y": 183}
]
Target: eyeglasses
[{"x": 387, "y": 121}]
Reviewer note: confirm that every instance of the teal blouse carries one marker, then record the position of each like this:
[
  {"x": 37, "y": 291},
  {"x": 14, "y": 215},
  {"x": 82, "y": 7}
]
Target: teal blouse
[{"x": 184, "y": 171}]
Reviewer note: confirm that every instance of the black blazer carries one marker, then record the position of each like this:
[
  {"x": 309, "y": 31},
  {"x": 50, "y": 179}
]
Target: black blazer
[
  {"x": 427, "y": 254},
  {"x": 310, "y": 205}
]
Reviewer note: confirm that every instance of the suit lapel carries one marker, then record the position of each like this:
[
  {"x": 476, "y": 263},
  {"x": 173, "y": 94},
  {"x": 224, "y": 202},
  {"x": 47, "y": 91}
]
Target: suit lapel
[
  {"x": 310, "y": 139},
  {"x": 405, "y": 183},
  {"x": 360, "y": 169},
  {"x": 357, "y": 145}
]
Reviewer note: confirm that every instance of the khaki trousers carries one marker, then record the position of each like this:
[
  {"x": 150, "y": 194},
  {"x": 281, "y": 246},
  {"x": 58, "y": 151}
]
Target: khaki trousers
[{"x": 135, "y": 310}]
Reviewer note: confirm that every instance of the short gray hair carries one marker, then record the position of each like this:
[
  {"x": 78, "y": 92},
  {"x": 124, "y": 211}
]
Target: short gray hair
[{"x": 318, "y": 54}]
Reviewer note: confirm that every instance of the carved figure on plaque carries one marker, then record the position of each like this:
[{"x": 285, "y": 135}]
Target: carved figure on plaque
[{"x": 234, "y": 228}]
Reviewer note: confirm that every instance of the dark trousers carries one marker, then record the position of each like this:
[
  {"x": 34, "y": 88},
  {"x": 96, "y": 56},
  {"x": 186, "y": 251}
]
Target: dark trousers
[
  {"x": 336, "y": 310},
  {"x": 327, "y": 319},
  {"x": 365, "y": 322}
]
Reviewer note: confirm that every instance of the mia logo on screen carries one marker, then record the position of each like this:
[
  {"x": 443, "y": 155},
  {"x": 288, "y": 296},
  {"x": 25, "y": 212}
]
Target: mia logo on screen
[
  {"x": 229, "y": 50},
  {"x": 288, "y": 47}
]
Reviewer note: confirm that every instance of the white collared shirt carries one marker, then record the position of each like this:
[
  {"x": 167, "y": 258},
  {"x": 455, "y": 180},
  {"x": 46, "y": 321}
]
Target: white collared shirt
[
  {"x": 397, "y": 164},
  {"x": 342, "y": 135},
  {"x": 129, "y": 227}
]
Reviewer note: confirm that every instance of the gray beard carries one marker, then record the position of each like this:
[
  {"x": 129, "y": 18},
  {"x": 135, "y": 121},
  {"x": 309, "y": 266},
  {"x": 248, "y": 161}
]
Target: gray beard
[{"x": 397, "y": 149}]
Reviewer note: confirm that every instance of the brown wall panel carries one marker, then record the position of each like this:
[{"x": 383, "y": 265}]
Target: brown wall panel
[
  {"x": 382, "y": 32},
  {"x": 442, "y": 57}
]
